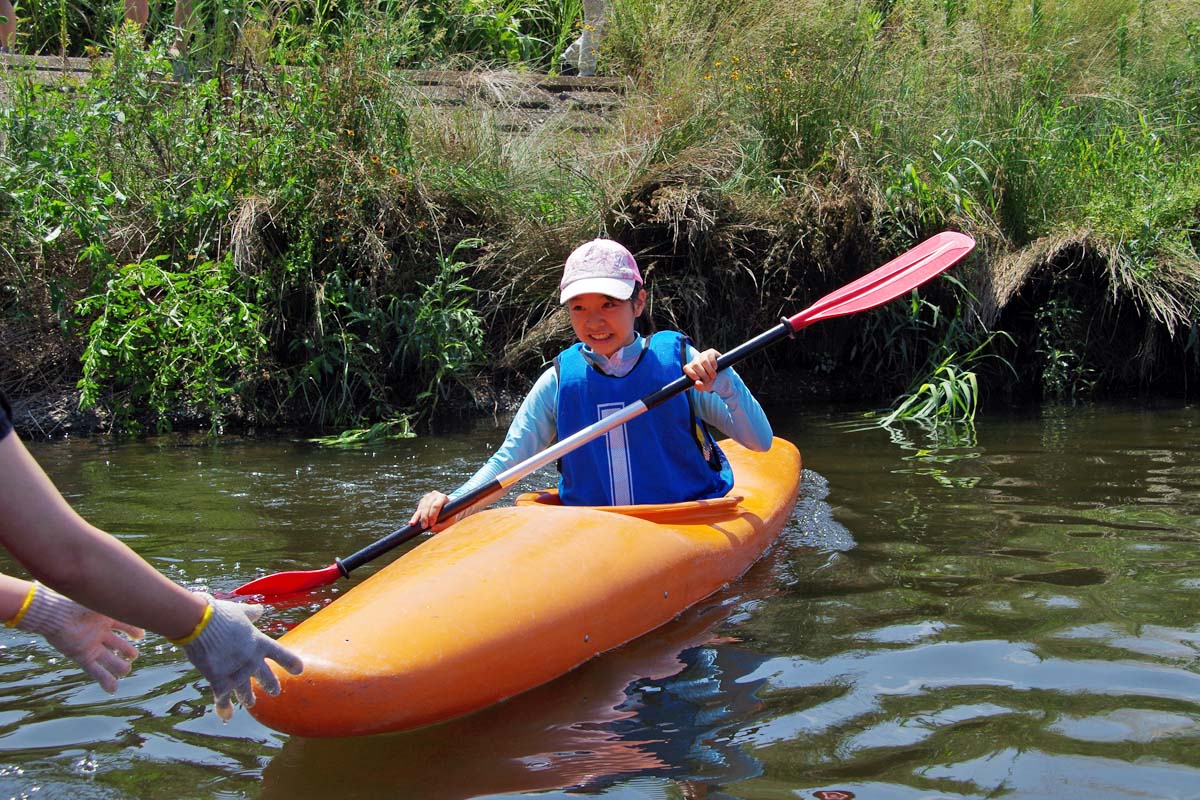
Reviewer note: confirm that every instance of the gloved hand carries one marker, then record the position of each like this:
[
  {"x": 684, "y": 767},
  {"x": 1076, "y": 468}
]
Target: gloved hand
[
  {"x": 88, "y": 638},
  {"x": 228, "y": 650}
]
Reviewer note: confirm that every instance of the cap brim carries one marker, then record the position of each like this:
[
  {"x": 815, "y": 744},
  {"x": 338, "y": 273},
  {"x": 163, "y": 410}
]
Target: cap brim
[{"x": 609, "y": 287}]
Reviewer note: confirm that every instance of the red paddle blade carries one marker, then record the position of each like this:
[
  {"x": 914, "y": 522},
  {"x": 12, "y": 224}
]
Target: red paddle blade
[
  {"x": 897, "y": 277},
  {"x": 282, "y": 583}
]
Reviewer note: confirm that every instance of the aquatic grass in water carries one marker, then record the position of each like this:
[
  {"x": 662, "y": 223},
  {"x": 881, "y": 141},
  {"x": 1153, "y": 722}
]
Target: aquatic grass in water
[
  {"x": 396, "y": 428},
  {"x": 945, "y": 390},
  {"x": 950, "y": 390},
  {"x": 950, "y": 393}
]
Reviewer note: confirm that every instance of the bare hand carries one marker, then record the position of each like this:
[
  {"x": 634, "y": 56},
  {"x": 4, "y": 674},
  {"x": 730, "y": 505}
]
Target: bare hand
[
  {"x": 428, "y": 509},
  {"x": 703, "y": 370}
]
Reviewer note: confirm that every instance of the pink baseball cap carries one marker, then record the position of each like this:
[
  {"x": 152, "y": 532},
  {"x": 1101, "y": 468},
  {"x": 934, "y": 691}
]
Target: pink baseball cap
[{"x": 599, "y": 267}]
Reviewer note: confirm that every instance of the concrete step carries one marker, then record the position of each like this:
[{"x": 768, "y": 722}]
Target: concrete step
[{"x": 523, "y": 100}]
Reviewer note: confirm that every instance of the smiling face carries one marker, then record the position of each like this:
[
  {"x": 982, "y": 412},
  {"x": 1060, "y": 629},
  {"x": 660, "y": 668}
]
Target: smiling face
[{"x": 604, "y": 323}]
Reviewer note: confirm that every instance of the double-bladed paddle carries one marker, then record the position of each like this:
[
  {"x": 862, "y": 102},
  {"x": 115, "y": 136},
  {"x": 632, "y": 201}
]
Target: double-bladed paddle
[{"x": 898, "y": 276}]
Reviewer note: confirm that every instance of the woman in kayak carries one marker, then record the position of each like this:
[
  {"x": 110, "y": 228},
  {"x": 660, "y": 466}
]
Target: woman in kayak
[
  {"x": 115, "y": 590},
  {"x": 664, "y": 456}
]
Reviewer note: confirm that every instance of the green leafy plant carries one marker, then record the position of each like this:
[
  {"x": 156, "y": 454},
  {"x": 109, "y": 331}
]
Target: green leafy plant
[
  {"x": 340, "y": 375},
  {"x": 954, "y": 183},
  {"x": 1062, "y": 346},
  {"x": 167, "y": 338},
  {"x": 445, "y": 334},
  {"x": 902, "y": 340}
]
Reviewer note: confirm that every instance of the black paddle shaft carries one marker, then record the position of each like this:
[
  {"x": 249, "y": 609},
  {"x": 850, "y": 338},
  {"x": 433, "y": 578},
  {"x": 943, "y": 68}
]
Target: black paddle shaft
[
  {"x": 734, "y": 356},
  {"x": 397, "y": 538}
]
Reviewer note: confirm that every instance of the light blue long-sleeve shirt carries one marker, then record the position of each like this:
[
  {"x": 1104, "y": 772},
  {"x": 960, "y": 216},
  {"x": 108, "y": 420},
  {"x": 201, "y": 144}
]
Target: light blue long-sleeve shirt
[{"x": 729, "y": 408}]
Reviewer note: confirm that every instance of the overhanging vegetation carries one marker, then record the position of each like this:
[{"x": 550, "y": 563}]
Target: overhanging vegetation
[{"x": 319, "y": 245}]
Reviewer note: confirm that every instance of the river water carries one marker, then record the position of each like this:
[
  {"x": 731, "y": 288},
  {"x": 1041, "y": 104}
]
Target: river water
[{"x": 1011, "y": 612}]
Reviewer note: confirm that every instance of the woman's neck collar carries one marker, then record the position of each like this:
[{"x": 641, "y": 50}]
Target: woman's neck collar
[{"x": 622, "y": 361}]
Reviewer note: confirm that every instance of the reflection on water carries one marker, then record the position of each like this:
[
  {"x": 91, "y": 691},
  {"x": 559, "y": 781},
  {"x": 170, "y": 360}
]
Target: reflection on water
[
  {"x": 1010, "y": 611},
  {"x": 650, "y": 707}
]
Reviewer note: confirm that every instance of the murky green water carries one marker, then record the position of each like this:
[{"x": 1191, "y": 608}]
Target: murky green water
[{"x": 1014, "y": 614}]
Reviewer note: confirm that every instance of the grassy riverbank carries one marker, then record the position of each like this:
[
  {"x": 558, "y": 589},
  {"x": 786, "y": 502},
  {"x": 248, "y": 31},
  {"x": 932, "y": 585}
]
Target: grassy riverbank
[{"x": 317, "y": 245}]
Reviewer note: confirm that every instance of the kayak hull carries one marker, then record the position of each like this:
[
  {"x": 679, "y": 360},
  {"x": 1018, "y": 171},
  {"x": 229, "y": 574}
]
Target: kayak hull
[{"x": 511, "y": 598}]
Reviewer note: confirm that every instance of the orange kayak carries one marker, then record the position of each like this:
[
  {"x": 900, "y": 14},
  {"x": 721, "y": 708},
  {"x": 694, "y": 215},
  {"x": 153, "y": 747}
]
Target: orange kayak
[{"x": 510, "y": 598}]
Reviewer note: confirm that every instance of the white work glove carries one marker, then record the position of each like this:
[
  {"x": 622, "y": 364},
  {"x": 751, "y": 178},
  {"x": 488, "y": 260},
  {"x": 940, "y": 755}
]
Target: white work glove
[
  {"x": 228, "y": 650},
  {"x": 88, "y": 638}
]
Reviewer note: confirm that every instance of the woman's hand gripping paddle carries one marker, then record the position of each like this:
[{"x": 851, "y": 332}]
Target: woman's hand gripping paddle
[{"x": 895, "y": 278}]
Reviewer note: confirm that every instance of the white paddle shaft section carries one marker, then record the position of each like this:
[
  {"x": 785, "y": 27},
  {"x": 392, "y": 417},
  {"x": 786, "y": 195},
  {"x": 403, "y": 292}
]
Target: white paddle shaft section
[{"x": 576, "y": 439}]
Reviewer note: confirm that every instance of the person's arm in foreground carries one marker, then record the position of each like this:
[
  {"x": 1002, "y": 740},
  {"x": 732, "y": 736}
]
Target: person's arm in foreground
[{"x": 103, "y": 576}]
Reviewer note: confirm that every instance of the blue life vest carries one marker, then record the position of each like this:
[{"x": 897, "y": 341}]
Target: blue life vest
[{"x": 664, "y": 455}]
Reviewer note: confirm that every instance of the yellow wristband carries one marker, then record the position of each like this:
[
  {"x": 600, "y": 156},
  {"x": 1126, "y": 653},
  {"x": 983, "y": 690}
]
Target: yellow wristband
[
  {"x": 196, "y": 631},
  {"x": 20, "y": 615}
]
